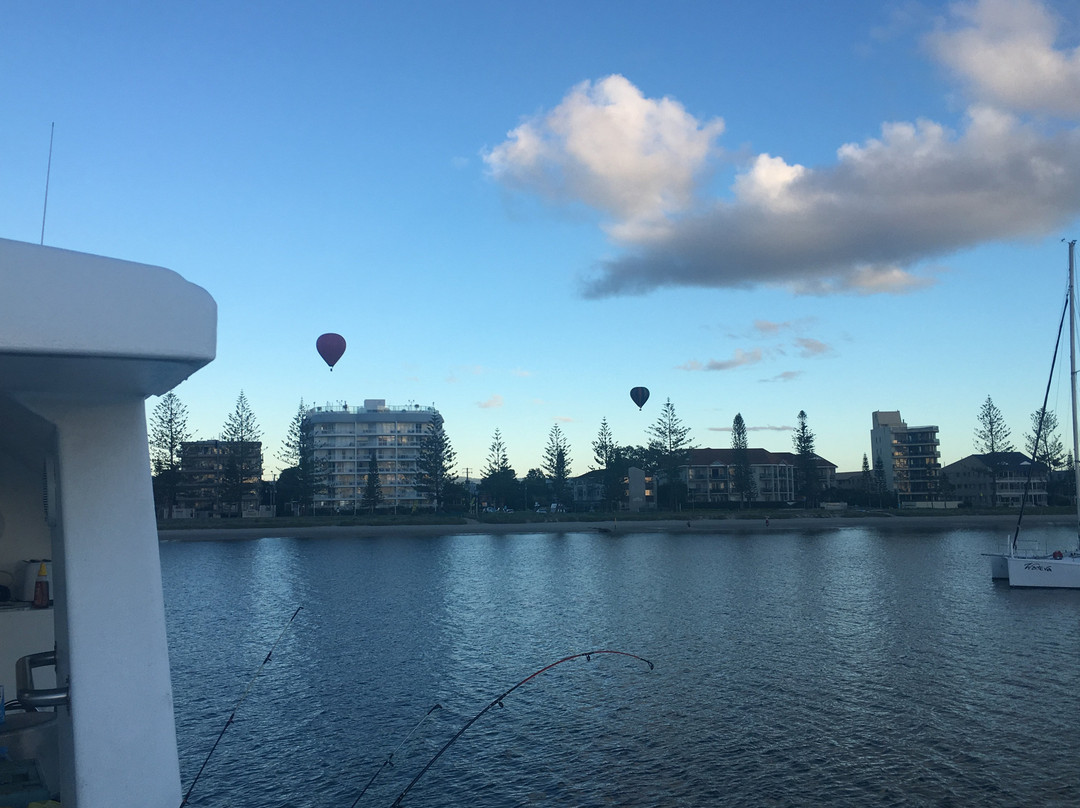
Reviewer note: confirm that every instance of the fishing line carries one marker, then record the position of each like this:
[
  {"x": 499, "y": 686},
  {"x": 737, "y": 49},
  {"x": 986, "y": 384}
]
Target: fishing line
[
  {"x": 232, "y": 715},
  {"x": 498, "y": 701},
  {"x": 389, "y": 759}
]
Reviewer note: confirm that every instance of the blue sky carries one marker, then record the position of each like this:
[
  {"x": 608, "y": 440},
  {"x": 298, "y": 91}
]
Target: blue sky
[{"x": 517, "y": 212}]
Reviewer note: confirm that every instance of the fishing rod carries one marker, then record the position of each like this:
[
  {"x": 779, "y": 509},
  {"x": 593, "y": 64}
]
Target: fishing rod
[
  {"x": 389, "y": 759},
  {"x": 232, "y": 715},
  {"x": 498, "y": 701}
]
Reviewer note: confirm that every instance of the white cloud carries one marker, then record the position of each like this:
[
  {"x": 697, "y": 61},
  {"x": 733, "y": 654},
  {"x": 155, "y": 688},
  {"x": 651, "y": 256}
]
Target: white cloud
[
  {"x": 1005, "y": 51},
  {"x": 860, "y": 225},
  {"x": 637, "y": 159},
  {"x": 493, "y": 402},
  {"x": 867, "y": 222}
]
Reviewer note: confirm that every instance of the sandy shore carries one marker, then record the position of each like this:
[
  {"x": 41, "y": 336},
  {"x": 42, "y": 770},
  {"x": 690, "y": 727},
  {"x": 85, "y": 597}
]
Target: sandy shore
[{"x": 996, "y": 523}]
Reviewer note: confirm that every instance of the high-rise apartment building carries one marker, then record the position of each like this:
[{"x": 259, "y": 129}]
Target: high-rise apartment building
[
  {"x": 347, "y": 439},
  {"x": 909, "y": 457}
]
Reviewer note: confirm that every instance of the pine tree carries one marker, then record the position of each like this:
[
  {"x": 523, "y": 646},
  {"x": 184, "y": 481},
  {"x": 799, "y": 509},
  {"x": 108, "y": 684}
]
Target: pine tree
[
  {"x": 303, "y": 476},
  {"x": 743, "y": 482},
  {"x": 866, "y": 481},
  {"x": 806, "y": 470},
  {"x": 435, "y": 463},
  {"x": 669, "y": 449},
  {"x": 607, "y": 456},
  {"x": 168, "y": 429},
  {"x": 557, "y": 464},
  {"x": 373, "y": 496},
  {"x": 243, "y": 467},
  {"x": 292, "y": 447},
  {"x": 881, "y": 483},
  {"x": 604, "y": 447},
  {"x": 992, "y": 435},
  {"x": 992, "y": 439},
  {"x": 1050, "y": 450},
  {"x": 498, "y": 478}
]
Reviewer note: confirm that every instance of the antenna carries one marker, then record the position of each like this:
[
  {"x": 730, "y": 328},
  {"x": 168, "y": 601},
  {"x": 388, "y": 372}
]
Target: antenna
[{"x": 48, "y": 171}]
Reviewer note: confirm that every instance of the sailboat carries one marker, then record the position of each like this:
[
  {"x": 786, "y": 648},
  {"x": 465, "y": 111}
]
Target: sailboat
[{"x": 1059, "y": 570}]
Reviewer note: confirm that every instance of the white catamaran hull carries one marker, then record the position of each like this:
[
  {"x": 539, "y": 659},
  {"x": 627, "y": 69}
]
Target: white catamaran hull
[{"x": 1050, "y": 573}]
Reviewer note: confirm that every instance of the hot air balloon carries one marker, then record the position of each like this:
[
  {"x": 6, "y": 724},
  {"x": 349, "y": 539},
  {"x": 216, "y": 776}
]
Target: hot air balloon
[
  {"x": 640, "y": 395},
  {"x": 330, "y": 348}
]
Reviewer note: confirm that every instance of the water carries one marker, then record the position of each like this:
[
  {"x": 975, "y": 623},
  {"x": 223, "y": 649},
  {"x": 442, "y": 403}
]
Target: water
[{"x": 846, "y": 667}]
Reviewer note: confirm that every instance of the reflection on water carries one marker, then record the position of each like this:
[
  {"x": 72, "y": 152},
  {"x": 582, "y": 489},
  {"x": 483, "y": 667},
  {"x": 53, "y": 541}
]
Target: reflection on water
[{"x": 839, "y": 667}]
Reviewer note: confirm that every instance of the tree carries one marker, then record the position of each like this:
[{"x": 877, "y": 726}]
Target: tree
[
  {"x": 435, "y": 462},
  {"x": 607, "y": 453},
  {"x": 498, "y": 479},
  {"x": 881, "y": 484},
  {"x": 372, "y": 497},
  {"x": 866, "y": 481},
  {"x": 992, "y": 439},
  {"x": 670, "y": 448},
  {"x": 243, "y": 468},
  {"x": 991, "y": 435},
  {"x": 168, "y": 429},
  {"x": 302, "y": 478},
  {"x": 557, "y": 464},
  {"x": 806, "y": 470},
  {"x": 292, "y": 447},
  {"x": 536, "y": 489},
  {"x": 743, "y": 483},
  {"x": 1050, "y": 450}
]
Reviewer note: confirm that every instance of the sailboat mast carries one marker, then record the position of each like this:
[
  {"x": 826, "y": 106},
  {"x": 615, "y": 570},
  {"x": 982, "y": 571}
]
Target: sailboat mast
[{"x": 1072, "y": 377}]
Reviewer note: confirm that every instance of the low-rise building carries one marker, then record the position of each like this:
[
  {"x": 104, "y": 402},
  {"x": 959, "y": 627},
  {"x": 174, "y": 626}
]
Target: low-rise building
[
  {"x": 997, "y": 480},
  {"x": 219, "y": 477},
  {"x": 710, "y": 475},
  {"x": 638, "y": 492}
]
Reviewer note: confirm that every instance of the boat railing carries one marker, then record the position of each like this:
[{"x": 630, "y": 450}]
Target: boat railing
[
  {"x": 1028, "y": 546},
  {"x": 30, "y": 697}
]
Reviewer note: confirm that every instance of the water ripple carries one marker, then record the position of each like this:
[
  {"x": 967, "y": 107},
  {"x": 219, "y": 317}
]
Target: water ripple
[{"x": 835, "y": 668}]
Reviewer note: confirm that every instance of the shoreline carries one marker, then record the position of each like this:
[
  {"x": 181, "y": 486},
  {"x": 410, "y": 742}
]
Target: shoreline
[{"x": 1003, "y": 524}]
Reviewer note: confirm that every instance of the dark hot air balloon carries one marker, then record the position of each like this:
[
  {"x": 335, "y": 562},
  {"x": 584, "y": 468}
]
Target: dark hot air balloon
[
  {"x": 330, "y": 347},
  {"x": 640, "y": 395}
]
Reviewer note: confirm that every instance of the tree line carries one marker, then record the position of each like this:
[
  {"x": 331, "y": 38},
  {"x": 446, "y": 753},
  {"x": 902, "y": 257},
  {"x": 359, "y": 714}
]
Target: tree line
[
  {"x": 169, "y": 429},
  {"x": 665, "y": 453},
  {"x": 303, "y": 478},
  {"x": 1042, "y": 444}
]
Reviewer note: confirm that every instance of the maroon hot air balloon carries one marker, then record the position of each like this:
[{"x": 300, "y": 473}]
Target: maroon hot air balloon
[
  {"x": 330, "y": 347},
  {"x": 640, "y": 395}
]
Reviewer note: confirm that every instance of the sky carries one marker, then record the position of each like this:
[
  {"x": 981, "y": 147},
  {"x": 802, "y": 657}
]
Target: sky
[{"x": 517, "y": 212}]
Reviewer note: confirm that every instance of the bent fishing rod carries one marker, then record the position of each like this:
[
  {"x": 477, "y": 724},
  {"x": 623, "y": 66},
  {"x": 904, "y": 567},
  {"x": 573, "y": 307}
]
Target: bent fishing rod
[
  {"x": 232, "y": 715},
  {"x": 498, "y": 701}
]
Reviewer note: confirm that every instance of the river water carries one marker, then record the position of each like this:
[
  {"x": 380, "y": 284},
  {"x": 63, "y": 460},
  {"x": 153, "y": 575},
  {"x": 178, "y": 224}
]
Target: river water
[{"x": 841, "y": 667}]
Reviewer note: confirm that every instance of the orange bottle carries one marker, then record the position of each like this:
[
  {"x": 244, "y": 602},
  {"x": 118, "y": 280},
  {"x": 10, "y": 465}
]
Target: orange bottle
[{"x": 41, "y": 587}]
